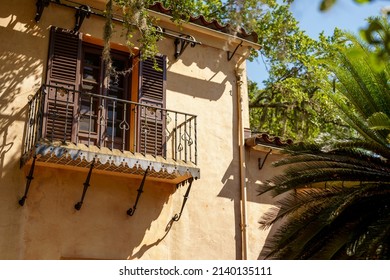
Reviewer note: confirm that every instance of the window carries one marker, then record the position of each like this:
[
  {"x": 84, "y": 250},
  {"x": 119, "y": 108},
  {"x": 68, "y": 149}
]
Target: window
[
  {"x": 119, "y": 112},
  {"x": 93, "y": 110}
]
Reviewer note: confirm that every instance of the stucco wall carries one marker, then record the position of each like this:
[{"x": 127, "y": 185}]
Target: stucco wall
[
  {"x": 259, "y": 204},
  {"x": 201, "y": 82}
]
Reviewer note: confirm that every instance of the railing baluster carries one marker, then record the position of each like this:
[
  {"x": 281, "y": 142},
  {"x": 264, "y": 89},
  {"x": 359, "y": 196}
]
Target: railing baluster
[
  {"x": 155, "y": 133},
  {"x": 180, "y": 145},
  {"x": 42, "y": 99},
  {"x": 90, "y": 119},
  {"x": 164, "y": 146},
  {"x": 77, "y": 136},
  {"x": 66, "y": 118},
  {"x": 102, "y": 122},
  {"x": 190, "y": 138},
  {"x": 113, "y": 124},
  {"x": 54, "y": 115},
  {"x": 196, "y": 142},
  {"x": 185, "y": 138},
  {"x": 124, "y": 127},
  {"x": 31, "y": 125},
  {"x": 135, "y": 121},
  {"x": 145, "y": 127},
  {"x": 36, "y": 119},
  {"x": 176, "y": 148}
]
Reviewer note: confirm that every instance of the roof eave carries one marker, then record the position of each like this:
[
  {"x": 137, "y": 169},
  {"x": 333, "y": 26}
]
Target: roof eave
[{"x": 211, "y": 32}]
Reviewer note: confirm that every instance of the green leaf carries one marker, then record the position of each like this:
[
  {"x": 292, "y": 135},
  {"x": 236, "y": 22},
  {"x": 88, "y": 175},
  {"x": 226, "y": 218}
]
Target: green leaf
[
  {"x": 379, "y": 121},
  {"x": 326, "y": 5},
  {"x": 376, "y": 62},
  {"x": 372, "y": 32}
]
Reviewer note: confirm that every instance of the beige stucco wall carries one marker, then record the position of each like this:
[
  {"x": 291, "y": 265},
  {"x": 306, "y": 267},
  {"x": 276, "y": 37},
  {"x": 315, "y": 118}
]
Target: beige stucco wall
[
  {"x": 201, "y": 82},
  {"x": 259, "y": 204}
]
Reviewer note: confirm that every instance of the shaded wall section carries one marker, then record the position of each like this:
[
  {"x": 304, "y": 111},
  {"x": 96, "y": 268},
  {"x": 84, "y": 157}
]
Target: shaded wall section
[{"x": 260, "y": 169}]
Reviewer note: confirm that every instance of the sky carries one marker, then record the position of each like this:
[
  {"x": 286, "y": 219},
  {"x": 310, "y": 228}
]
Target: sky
[{"x": 345, "y": 14}]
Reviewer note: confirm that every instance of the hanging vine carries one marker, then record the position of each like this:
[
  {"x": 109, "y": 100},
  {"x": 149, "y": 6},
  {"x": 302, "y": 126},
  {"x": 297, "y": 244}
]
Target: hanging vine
[
  {"x": 136, "y": 20},
  {"x": 107, "y": 34}
]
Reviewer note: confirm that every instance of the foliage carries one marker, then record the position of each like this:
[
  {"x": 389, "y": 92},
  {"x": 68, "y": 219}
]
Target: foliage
[
  {"x": 328, "y": 4},
  {"x": 107, "y": 34},
  {"x": 137, "y": 20},
  {"x": 243, "y": 13},
  {"x": 333, "y": 200},
  {"x": 375, "y": 34},
  {"x": 293, "y": 102},
  {"x": 378, "y": 36}
]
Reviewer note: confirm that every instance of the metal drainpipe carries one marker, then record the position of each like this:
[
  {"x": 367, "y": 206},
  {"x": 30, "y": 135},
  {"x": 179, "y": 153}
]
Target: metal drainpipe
[{"x": 240, "y": 136}]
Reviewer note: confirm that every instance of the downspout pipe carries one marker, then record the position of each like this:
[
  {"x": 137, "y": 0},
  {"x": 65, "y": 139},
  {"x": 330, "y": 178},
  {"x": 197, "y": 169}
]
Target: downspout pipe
[{"x": 243, "y": 187}]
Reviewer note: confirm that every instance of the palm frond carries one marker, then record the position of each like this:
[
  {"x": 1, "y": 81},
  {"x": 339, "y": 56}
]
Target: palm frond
[
  {"x": 379, "y": 121},
  {"x": 332, "y": 200}
]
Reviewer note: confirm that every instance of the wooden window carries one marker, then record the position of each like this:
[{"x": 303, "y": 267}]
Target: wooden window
[
  {"x": 101, "y": 118},
  {"x": 91, "y": 112}
]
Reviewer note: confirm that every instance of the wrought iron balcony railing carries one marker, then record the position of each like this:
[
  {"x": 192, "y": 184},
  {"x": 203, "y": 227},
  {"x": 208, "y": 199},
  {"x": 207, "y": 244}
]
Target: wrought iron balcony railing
[{"x": 57, "y": 114}]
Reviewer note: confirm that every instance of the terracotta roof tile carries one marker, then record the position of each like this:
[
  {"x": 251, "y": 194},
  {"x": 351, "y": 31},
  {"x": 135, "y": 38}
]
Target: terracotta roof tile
[{"x": 268, "y": 140}]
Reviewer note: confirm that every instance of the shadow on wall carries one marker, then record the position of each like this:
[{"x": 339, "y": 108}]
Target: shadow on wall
[
  {"x": 20, "y": 63},
  {"x": 211, "y": 79},
  {"x": 204, "y": 89},
  {"x": 231, "y": 190},
  {"x": 164, "y": 223},
  {"x": 259, "y": 172},
  {"x": 20, "y": 72},
  {"x": 146, "y": 247},
  {"x": 257, "y": 204},
  {"x": 101, "y": 229},
  {"x": 231, "y": 180},
  {"x": 190, "y": 55}
]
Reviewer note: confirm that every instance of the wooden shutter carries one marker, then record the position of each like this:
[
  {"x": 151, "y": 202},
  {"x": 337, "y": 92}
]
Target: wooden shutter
[
  {"x": 151, "y": 123},
  {"x": 63, "y": 80}
]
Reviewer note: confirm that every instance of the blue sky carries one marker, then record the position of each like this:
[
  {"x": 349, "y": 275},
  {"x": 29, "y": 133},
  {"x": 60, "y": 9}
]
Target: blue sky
[{"x": 345, "y": 14}]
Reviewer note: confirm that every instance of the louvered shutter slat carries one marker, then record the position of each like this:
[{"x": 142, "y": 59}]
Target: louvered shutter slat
[
  {"x": 63, "y": 71},
  {"x": 151, "y": 132}
]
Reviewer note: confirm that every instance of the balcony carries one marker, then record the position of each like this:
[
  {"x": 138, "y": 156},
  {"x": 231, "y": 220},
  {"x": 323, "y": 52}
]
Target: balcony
[{"x": 76, "y": 129}]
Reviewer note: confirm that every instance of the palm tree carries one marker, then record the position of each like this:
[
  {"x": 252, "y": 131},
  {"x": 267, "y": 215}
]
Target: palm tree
[{"x": 333, "y": 200}]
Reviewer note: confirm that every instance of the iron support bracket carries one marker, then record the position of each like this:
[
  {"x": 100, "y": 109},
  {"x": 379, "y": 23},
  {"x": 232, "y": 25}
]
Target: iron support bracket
[
  {"x": 41, "y": 5},
  {"x": 261, "y": 164},
  {"x": 181, "y": 43},
  {"x": 230, "y": 56},
  {"x": 131, "y": 211},
  {"x": 29, "y": 178},
  {"x": 78, "y": 205},
  {"x": 177, "y": 217},
  {"x": 84, "y": 11}
]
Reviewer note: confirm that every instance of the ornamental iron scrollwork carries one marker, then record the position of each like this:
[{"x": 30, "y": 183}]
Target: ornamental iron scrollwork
[
  {"x": 131, "y": 211},
  {"x": 29, "y": 178},
  {"x": 177, "y": 217},
  {"x": 86, "y": 186}
]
